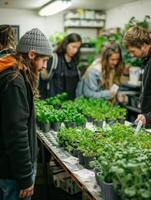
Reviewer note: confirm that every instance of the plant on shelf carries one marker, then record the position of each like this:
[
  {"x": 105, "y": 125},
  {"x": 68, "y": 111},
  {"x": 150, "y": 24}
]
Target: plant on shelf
[
  {"x": 57, "y": 38},
  {"x": 133, "y": 21}
]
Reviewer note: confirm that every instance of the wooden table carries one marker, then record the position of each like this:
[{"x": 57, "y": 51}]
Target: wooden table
[{"x": 84, "y": 178}]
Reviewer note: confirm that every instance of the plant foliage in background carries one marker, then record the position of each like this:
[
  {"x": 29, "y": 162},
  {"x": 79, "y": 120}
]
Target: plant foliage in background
[
  {"x": 133, "y": 21},
  {"x": 57, "y": 38},
  {"x": 105, "y": 38}
]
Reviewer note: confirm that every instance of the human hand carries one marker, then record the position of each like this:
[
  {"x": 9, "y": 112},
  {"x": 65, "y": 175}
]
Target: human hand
[
  {"x": 141, "y": 118},
  {"x": 114, "y": 89},
  {"x": 26, "y": 193},
  {"x": 121, "y": 98},
  {"x": 113, "y": 94}
]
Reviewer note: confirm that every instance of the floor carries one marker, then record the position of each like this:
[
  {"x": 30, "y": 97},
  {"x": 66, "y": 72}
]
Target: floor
[{"x": 54, "y": 194}]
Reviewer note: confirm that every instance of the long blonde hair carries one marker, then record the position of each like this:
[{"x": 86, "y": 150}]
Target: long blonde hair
[
  {"x": 24, "y": 66},
  {"x": 106, "y": 54}
]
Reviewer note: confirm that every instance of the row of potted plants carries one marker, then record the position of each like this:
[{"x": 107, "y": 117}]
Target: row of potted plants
[
  {"x": 75, "y": 113},
  {"x": 48, "y": 117},
  {"x": 120, "y": 158}
]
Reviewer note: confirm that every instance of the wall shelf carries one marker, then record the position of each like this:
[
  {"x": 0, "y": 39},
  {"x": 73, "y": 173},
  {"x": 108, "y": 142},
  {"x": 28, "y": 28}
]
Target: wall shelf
[
  {"x": 85, "y": 19},
  {"x": 89, "y": 27}
]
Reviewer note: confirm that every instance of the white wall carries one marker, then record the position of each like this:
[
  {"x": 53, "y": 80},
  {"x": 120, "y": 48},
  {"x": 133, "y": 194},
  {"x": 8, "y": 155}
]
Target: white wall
[
  {"x": 116, "y": 17},
  {"x": 119, "y": 16},
  {"x": 30, "y": 19}
]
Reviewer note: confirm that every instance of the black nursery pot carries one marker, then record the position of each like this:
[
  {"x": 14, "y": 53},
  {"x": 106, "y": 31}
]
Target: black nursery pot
[
  {"x": 56, "y": 126},
  {"x": 82, "y": 124},
  {"x": 89, "y": 119},
  {"x": 45, "y": 127},
  {"x": 81, "y": 158},
  {"x": 111, "y": 122},
  {"x": 57, "y": 107},
  {"x": 87, "y": 160},
  {"x": 38, "y": 124},
  {"x": 75, "y": 152},
  {"x": 108, "y": 192},
  {"x": 121, "y": 120},
  {"x": 99, "y": 123},
  {"x": 70, "y": 124}
]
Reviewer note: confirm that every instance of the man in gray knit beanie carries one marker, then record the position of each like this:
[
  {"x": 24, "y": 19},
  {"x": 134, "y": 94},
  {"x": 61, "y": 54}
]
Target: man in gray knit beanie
[
  {"x": 18, "y": 139},
  {"x": 34, "y": 40}
]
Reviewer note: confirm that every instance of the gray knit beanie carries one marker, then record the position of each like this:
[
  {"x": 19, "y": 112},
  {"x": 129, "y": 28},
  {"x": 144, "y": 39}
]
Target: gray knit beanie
[{"x": 34, "y": 40}]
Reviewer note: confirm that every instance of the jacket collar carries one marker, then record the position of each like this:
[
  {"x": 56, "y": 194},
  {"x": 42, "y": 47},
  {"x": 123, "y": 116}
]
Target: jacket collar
[
  {"x": 7, "y": 61},
  {"x": 7, "y": 51},
  {"x": 148, "y": 56}
]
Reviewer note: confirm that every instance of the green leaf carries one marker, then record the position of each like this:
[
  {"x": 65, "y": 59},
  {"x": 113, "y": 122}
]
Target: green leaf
[{"x": 130, "y": 191}]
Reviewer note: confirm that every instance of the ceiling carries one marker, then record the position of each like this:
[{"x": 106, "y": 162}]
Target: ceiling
[{"x": 88, "y": 4}]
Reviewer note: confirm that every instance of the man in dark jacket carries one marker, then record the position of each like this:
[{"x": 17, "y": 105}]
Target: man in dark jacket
[
  {"x": 138, "y": 42},
  {"x": 18, "y": 144}
]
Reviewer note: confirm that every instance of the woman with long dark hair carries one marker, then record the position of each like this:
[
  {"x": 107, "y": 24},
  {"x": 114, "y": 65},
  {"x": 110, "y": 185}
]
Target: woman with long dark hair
[{"x": 65, "y": 76}]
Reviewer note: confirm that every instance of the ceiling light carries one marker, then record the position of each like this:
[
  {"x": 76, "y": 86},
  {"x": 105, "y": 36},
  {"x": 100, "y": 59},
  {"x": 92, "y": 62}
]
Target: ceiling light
[{"x": 54, "y": 7}]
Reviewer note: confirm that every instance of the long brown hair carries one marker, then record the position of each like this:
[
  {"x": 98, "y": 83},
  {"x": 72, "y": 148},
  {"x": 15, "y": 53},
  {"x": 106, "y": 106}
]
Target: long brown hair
[
  {"x": 106, "y": 54},
  {"x": 26, "y": 68}
]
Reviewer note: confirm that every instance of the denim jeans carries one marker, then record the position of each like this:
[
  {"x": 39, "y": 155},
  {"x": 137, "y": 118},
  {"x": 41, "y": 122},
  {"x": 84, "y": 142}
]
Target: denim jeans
[{"x": 9, "y": 190}]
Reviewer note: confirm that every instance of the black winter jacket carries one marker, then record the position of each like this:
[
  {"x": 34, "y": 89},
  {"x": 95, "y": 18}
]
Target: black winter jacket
[
  {"x": 146, "y": 87},
  {"x": 18, "y": 144},
  {"x": 64, "y": 79}
]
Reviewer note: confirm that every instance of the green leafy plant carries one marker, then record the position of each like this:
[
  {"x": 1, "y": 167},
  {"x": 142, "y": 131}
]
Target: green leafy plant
[
  {"x": 57, "y": 38},
  {"x": 133, "y": 21}
]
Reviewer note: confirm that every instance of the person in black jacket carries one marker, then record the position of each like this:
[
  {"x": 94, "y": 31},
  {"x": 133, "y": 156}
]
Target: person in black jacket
[
  {"x": 18, "y": 144},
  {"x": 65, "y": 77},
  {"x": 138, "y": 42}
]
